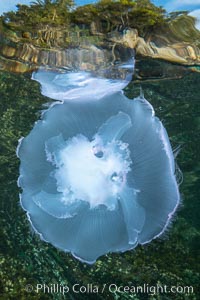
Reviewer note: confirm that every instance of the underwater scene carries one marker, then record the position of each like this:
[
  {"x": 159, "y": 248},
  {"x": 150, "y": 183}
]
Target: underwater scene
[{"x": 100, "y": 149}]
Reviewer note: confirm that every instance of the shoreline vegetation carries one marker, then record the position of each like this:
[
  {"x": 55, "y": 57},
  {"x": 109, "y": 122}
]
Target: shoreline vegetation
[
  {"x": 103, "y": 16},
  {"x": 42, "y": 33}
]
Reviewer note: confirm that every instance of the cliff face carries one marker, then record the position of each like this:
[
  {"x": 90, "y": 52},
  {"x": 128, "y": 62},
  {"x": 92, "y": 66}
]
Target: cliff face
[
  {"x": 177, "y": 42},
  {"x": 59, "y": 48}
]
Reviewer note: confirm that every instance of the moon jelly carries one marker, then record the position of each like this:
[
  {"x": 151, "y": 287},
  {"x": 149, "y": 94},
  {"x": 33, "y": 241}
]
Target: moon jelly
[
  {"x": 65, "y": 85},
  {"x": 98, "y": 177}
]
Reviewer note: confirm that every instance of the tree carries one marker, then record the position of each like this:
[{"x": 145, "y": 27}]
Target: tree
[
  {"x": 85, "y": 14},
  {"x": 51, "y": 12},
  {"x": 114, "y": 13},
  {"x": 64, "y": 4},
  {"x": 106, "y": 15}
]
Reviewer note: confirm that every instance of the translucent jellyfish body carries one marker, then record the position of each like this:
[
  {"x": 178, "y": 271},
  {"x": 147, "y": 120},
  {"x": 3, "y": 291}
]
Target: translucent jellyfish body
[
  {"x": 63, "y": 85},
  {"x": 98, "y": 177}
]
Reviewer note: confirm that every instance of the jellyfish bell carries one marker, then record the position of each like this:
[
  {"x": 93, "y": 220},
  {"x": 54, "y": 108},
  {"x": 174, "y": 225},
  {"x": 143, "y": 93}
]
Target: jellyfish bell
[
  {"x": 64, "y": 85},
  {"x": 98, "y": 177}
]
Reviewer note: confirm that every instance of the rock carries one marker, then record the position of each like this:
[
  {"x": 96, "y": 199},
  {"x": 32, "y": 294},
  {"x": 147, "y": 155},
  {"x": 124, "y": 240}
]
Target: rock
[
  {"x": 86, "y": 55},
  {"x": 177, "y": 42},
  {"x": 148, "y": 69}
]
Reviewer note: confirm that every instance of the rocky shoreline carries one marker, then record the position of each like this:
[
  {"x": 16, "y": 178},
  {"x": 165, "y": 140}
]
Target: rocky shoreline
[{"x": 58, "y": 47}]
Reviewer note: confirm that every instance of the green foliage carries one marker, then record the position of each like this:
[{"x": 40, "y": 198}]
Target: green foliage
[
  {"x": 40, "y": 12},
  {"x": 109, "y": 14},
  {"x": 84, "y": 14},
  {"x": 106, "y": 14}
]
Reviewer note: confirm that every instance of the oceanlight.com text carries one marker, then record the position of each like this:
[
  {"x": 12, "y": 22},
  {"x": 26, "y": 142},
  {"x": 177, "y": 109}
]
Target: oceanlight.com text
[{"x": 90, "y": 288}]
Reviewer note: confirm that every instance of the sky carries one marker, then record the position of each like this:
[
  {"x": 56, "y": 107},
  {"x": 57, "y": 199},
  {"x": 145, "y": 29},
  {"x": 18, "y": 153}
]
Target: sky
[{"x": 169, "y": 5}]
